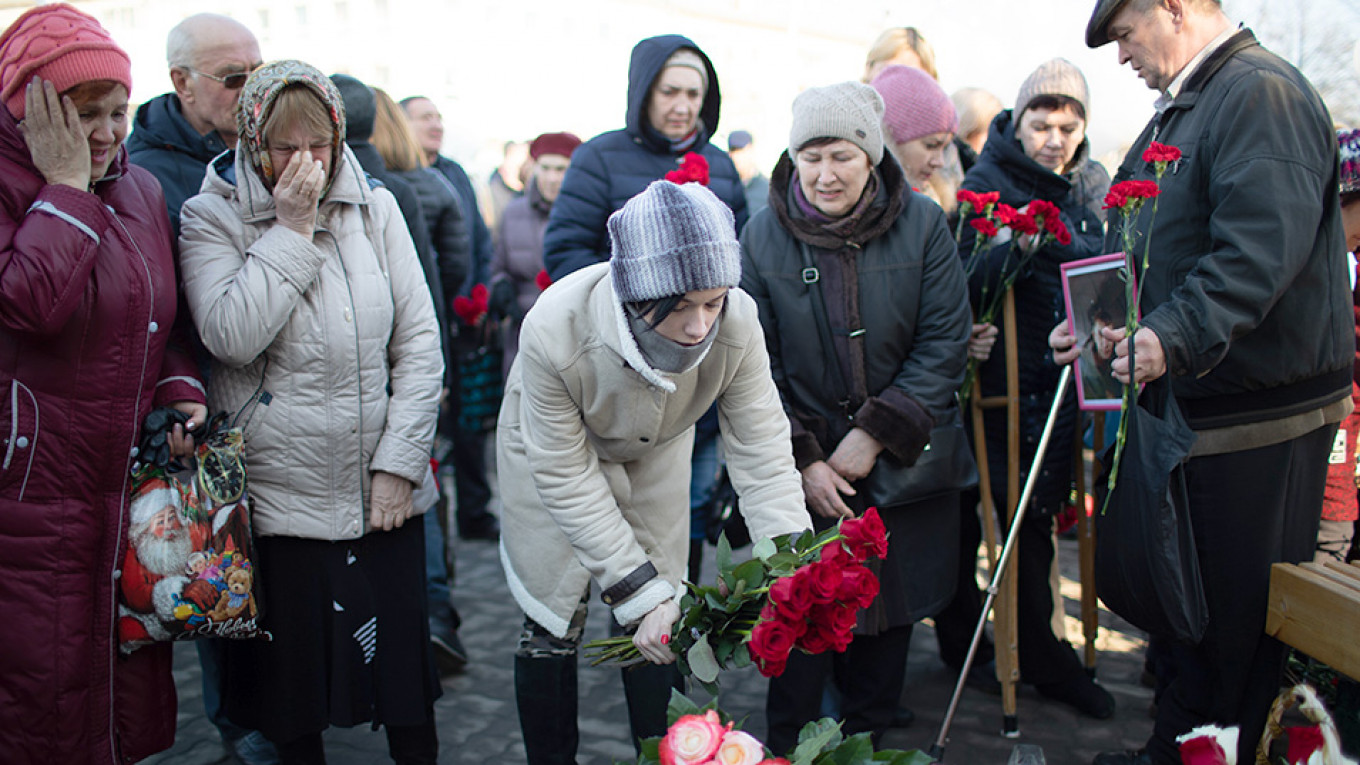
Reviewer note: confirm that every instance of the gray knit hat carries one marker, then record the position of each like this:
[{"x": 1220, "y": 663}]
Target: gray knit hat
[
  {"x": 672, "y": 239},
  {"x": 689, "y": 58},
  {"x": 1055, "y": 77},
  {"x": 852, "y": 111}
]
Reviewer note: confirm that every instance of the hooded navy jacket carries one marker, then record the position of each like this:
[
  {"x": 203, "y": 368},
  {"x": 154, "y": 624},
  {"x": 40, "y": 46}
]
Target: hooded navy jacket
[
  {"x": 612, "y": 167},
  {"x": 164, "y": 142}
]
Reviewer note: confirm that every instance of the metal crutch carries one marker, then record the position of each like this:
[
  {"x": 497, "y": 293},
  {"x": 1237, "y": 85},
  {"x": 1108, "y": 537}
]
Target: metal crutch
[{"x": 937, "y": 749}]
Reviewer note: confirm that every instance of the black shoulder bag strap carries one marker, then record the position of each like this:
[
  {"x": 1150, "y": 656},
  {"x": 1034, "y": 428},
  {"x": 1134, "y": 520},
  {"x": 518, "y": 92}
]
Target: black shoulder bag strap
[{"x": 813, "y": 279}]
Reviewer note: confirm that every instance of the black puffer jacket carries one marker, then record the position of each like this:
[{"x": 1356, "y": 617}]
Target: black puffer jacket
[
  {"x": 1005, "y": 168},
  {"x": 896, "y": 278},
  {"x": 1247, "y": 289},
  {"x": 613, "y": 167}
]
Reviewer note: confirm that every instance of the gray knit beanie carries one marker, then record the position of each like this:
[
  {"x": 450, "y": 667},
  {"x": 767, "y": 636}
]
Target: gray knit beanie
[
  {"x": 689, "y": 58},
  {"x": 672, "y": 239},
  {"x": 1056, "y": 77},
  {"x": 852, "y": 111}
]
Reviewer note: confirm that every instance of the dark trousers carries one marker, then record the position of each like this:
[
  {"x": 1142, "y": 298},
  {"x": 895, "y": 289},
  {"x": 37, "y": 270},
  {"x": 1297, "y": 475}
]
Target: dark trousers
[
  {"x": 870, "y": 675},
  {"x": 470, "y": 480},
  {"x": 955, "y": 624},
  {"x": 1248, "y": 509},
  {"x": 1045, "y": 658}
]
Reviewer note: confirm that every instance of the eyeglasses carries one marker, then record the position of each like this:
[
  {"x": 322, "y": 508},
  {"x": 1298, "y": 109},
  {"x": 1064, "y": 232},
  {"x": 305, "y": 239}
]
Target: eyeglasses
[{"x": 234, "y": 81}]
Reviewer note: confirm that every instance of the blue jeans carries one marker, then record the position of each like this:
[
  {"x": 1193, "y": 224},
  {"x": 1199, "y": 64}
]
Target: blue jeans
[{"x": 443, "y": 618}]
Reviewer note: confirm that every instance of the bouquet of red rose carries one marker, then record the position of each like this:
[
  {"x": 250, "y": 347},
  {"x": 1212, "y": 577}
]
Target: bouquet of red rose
[
  {"x": 705, "y": 736},
  {"x": 798, "y": 591},
  {"x": 472, "y": 308}
]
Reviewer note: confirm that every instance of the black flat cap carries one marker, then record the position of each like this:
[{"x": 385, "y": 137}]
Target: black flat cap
[{"x": 1096, "y": 32}]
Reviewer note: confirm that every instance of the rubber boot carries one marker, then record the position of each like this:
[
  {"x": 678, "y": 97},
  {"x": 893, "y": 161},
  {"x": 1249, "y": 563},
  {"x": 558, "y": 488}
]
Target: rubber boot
[
  {"x": 413, "y": 744},
  {"x": 647, "y": 690},
  {"x": 545, "y": 691}
]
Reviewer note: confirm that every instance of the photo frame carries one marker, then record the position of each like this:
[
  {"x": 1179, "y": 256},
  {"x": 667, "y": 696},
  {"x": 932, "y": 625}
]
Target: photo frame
[{"x": 1095, "y": 295}]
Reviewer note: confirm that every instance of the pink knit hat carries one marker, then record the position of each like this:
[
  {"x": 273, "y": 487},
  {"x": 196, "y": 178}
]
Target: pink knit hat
[
  {"x": 60, "y": 44},
  {"x": 914, "y": 104}
]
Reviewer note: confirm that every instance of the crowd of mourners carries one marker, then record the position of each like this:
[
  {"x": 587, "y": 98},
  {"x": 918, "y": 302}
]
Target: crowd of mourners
[{"x": 637, "y": 327}]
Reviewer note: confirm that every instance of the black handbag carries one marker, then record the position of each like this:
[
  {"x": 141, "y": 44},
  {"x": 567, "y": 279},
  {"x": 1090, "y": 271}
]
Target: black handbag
[
  {"x": 946, "y": 464},
  {"x": 1147, "y": 569}
]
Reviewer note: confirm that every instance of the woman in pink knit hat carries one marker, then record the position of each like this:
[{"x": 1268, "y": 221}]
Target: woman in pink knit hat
[{"x": 87, "y": 301}]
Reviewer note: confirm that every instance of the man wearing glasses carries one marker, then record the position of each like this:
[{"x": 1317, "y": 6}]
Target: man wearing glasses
[{"x": 175, "y": 135}]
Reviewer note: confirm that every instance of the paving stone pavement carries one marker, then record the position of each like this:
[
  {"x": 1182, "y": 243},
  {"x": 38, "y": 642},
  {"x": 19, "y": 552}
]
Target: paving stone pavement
[{"x": 478, "y": 722}]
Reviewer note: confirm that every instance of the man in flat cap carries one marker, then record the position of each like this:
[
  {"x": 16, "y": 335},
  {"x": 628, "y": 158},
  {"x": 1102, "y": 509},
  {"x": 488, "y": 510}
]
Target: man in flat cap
[{"x": 1246, "y": 313}]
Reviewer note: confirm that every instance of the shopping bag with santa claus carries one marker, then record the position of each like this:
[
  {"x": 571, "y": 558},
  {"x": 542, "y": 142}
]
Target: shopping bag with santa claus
[{"x": 188, "y": 567}]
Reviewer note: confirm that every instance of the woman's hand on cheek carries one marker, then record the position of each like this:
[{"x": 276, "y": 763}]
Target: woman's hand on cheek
[
  {"x": 298, "y": 192},
  {"x": 56, "y": 140}
]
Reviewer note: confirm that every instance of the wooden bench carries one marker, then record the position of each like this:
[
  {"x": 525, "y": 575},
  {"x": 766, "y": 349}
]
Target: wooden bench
[{"x": 1316, "y": 609}]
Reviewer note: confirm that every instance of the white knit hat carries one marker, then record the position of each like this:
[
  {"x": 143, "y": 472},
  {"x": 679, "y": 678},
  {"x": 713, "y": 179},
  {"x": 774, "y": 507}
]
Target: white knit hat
[
  {"x": 672, "y": 239},
  {"x": 852, "y": 111},
  {"x": 1055, "y": 77}
]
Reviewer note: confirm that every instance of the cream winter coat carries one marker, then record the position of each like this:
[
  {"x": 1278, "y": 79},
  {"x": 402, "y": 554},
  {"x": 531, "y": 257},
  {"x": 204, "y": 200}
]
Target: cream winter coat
[
  {"x": 326, "y": 352},
  {"x": 593, "y": 452}
]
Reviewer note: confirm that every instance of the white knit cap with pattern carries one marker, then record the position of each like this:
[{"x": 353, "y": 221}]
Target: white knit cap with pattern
[
  {"x": 849, "y": 110},
  {"x": 672, "y": 239},
  {"x": 1055, "y": 77}
]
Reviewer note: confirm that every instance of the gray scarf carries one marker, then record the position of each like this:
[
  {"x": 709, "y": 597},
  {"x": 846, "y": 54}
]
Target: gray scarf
[{"x": 664, "y": 354}]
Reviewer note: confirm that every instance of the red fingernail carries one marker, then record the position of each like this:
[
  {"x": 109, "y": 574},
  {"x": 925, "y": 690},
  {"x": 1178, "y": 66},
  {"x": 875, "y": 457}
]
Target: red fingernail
[{"x": 665, "y": 639}]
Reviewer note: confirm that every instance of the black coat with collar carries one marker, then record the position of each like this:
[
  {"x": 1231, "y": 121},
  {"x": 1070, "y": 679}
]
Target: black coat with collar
[
  {"x": 1004, "y": 167},
  {"x": 1247, "y": 287}
]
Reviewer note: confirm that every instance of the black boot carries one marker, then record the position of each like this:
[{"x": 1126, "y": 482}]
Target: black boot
[
  {"x": 545, "y": 691},
  {"x": 413, "y": 744},
  {"x": 647, "y": 689}
]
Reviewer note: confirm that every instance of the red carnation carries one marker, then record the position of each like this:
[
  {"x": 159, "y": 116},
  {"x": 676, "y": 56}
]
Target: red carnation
[
  {"x": 989, "y": 198},
  {"x": 984, "y": 227},
  {"x": 1023, "y": 223},
  {"x": 543, "y": 280},
  {"x": 969, "y": 198},
  {"x": 865, "y": 537},
  {"x": 1005, "y": 214},
  {"x": 693, "y": 169},
  {"x": 1114, "y": 199},
  {"x": 1160, "y": 152}
]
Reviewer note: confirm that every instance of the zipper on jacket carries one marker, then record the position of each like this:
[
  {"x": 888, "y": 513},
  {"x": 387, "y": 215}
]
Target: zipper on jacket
[
  {"x": 122, "y": 498},
  {"x": 358, "y": 364}
]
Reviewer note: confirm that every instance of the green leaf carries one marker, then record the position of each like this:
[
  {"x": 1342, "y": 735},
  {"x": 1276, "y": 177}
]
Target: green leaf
[
  {"x": 724, "y": 558},
  {"x": 856, "y": 750},
  {"x": 651, "y": 748},
  {"x": 741, "y": 657},
  {"x": 752, "y": 572},
  {"x": 679, "y": 706},
  {"x": 763, "y": 549},
  {"x": 702, "y": 662},
  {"x": 813, "y": 738}
]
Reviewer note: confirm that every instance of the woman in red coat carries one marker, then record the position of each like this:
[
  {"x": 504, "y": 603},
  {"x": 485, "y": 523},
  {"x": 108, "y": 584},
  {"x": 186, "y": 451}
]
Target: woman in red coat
[{"x": 87, "y": 300}]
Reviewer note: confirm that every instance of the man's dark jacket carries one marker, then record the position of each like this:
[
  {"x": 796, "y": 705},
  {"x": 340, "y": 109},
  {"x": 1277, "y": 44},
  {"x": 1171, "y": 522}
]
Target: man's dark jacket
[
  {"x": 164, "y": 142},
  {"x": 1247, "y": 286}
]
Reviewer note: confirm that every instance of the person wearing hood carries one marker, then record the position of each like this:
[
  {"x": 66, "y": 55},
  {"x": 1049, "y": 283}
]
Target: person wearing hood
[
  {"x": 865, "y": 313},
  {"x": 87, "y": 306},
  {"x": 518, "y": 259},
  {"x": 175, "y": 135},
  {"x": 616, "y": 364},
  {"x": 308, "y": 292},
  {"x": 1039, "y": 150},
  {"x": 673, "y": 104}
]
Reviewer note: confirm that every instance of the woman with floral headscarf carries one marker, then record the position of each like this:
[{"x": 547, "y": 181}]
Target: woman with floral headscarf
[{"x": 306, "y": 289}]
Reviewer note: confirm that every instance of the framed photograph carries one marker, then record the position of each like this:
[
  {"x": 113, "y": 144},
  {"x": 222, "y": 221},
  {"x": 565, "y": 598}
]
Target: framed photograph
[{"x": 1094, "y": 291}]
